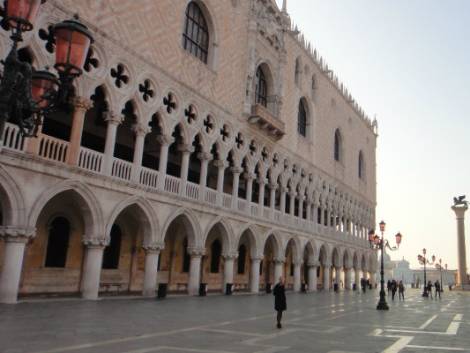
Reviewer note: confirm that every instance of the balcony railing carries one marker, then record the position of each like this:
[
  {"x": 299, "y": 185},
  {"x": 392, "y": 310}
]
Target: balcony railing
[
  {"x": 265, "y": 120},
  {"x": 55, "y": 149}
]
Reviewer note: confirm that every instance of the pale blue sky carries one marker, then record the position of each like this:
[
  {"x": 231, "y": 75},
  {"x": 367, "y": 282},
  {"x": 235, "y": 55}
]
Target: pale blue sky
[{"x": 408, "y": 61}]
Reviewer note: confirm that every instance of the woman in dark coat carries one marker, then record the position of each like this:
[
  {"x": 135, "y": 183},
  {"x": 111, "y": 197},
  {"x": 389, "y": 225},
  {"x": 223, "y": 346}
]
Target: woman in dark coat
[{"x": 280, "y": 305}]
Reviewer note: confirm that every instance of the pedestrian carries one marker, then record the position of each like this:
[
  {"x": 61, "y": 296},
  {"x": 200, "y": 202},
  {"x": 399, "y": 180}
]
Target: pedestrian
[
  {"x": 363, "y": 285},
  {"x": 280, "y": 304},
  {"x": 401, "y": 291},
  {"x": 437, "y": 285},
  {"x": 429, "y": 288},
  {"x": 394, "y": 289},
  {"x": 389, "y": 284}
]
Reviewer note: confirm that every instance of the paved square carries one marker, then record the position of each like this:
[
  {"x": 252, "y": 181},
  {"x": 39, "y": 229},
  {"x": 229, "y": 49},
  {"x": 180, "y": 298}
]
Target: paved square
[{"x": 321, "y": 322}]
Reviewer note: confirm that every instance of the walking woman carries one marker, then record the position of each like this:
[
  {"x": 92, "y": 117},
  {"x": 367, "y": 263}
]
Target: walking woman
[
  {"x": 401, "y": 291},
  {"x": 280, "y": 305}
]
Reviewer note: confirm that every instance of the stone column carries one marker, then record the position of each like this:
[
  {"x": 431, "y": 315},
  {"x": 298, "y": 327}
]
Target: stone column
[
  {"x": 186, "y": 151},
  {"x": 462, "y": 256},
  {"x": 357, "y": 278},
  {"x": 312, "y": 276},
  {"x": 326, "y": 276},
  {"x": 92, "y": 268},
  {"x": 278, "y": 264},
  {"x": 347, "y": 278},
  {"x": 283, "y": 200},
  {"x": 151, "y": 270},
  {"x": 297, "y": 265},
  {"x": 80, "y": 107},
  {"x": 114, "y": 120},
  {"x": 254, "y": 280},
  {"x": 140, "y": 131},
  {"x": 236, "y": 183},
  {"x": 249, "y": 189},
  {"x": 165, "y": 142},
  {"x": 204, "y": 158},
  {"x": 292, "y": 195},
  {"x": 195, "y": 270},
  {"x": 272, "y": 198},
  {"x": 261, "y": 183},
  {"x": 309, "y": 210},
  {"x": 228, "y": 270},
  {"x": 221, "y": 165},
  {"x": 15, "y": 242}
]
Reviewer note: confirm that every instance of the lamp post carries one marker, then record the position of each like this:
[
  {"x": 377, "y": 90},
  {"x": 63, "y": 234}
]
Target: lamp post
[
  {"x": 25, "y": 93},
  {"x": 439, "y": 267},
  {"x": 423, "y": 260},
  {"x": 380, "y": 243}
]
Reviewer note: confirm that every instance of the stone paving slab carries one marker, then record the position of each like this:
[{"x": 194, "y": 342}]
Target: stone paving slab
[{"x": 320, "y": 322}]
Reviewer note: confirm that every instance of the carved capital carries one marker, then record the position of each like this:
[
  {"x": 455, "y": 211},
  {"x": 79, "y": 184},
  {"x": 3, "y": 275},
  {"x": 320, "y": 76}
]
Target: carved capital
[
  {"x": 230, "y": 256},
  {"x": 81, "y": 103},
  {"x": 113, "y": 118},
  {"x": 313, "y": 264},
  {"x": 91, "y": 241},
  {"x": 221, "y": 164},
  {"x": 236, "y": 170},
  {"x": 258, "y": 258},
  {"x": 141, "y": 129},
  {"x": 17, "y": 234},
  {"x": 153, "y": 248},
  {"x": 298, "y": 262},
  {"x": 196, "y": 252},
  {"x": 279, "y": 260},
  {"x": 165, "y": 140},
  {"x": 186, "y": 148},
  {"x": 249, "y": 176},
  {"x": 204, "y": 156},
  {"x": 273, "y": 186}
]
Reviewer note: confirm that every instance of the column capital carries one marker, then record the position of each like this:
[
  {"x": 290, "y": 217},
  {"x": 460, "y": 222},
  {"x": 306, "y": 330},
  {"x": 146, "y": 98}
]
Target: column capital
[
  {"x": 460, "y": 210},
  {"x": 313, "y": 263},
  {"x": 219, "y": 163},
  {"x": 298, "y": 262},
  {"x": 230, "y": 256},
  {"x": 249, "y": 176},
  {"x": 279, "y": 259},
  {"x": 93, "y": 241},
  {"x": 257, "y": 258},
  {"x": 13, "y": 234},
  {"x": 113, "y": 118},
  {"x": 204, "y": 156},
  {"x": 236, "y": 170},
  {"x": 82, "y": 103},
  {"x": 165, "y": 139},
  {"x": 273, "y": 186},
  {"x": 153, "y": 248},
  {"x": 186, "y": 148},
  {"x": 327, "y": 264},
  {"x": 262, "y": 181},
  {"x": 141, "y": 129},
  {"x": 196, "y": 252},
  {"x": 284, "y": 189}
]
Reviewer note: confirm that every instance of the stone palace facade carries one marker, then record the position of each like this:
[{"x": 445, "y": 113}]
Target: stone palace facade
[{"x": 208, "y": 143}]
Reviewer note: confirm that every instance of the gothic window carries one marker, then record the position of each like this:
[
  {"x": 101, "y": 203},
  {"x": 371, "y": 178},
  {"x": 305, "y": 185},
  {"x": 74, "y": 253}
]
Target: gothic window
[
  {"x": 216, "y": 251},
  {"x": 241, "y": 259},
  {"x": 361, "y": 165},
  {"x": 302, "y": 120},
  {"x": 196, "y": 33},
  {"x": 338, "y": 146},
  {"x": 298, "y": 72},
  {"x": 58, "y": 243},
  {"x": 113, "y": 250},
  {"x": 186, "y": 256},
  {"x": 261, "y": 90}
]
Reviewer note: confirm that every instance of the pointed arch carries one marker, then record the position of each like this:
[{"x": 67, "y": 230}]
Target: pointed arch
[
  {"x": 225, "y": 231},
  {"x": 12, "y": 201},
  {"x": 190, "y": 223},
  {"x": 276, "y": 239},
  {"x": 338, "y": 146}
]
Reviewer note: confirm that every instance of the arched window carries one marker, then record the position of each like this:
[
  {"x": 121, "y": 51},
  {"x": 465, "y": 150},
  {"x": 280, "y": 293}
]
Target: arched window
[
  {"x": 186, "y": 256},
  {"x": 241, "y": 259},
  {"x": 58, "y": 243},
  {"x": 113, "y": 250},
  {"x": 196, "y": 33},
  {"x": 216, "y": 251},
  {"x": 360, "y": 168},
  {"x": 261, "y": 89},
  {"x": 302, "y": 120},
  {"x": 338, "y": 146}
]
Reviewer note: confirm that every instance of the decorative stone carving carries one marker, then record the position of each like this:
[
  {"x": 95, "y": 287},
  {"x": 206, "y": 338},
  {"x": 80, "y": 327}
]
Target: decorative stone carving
[{"x": 17, "y": 234}]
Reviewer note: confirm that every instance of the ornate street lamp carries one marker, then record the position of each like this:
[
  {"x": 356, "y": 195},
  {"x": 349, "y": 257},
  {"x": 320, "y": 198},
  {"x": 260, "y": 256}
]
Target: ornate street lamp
[
  {"x": 423, "y": 261},
  {"x": 439, "y": 267},
  {"x": 377, "y": 242},
  {"x": 27, "y": 94}
]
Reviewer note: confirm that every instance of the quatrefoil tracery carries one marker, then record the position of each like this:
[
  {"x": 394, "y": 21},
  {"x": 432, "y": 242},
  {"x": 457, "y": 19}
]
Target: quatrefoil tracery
[
  {"x": 47, "y": 36},
  {"x": 209, "y": 124},
  {"x": 91, "y": 61},
  {"x": 225, "y": 133},
  {"x": 119, "y": 75},
  {"x": 146, "y": 90},
  {"x": 190, "y": 114},
  {"x": 170, "y": 102}
]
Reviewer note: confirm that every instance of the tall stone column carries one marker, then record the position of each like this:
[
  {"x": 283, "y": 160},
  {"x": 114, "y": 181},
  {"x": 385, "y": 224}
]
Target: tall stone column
[
  {"x": 312, "y": 276},
  {"x": 92, "y": 268},
  {"x": 347, "y": 278},
  {"x": 221, "y": 165},
  {"x": 254, "y": 280},
  {"x": 292, "y": 195},
  {"x": 236, "y": 184},
  {"x": 140, "y": 131},
  {"x": 261, "y": 183},
  {"x": 186, "y": 151},
  {"x": 278, "y": 264},
  {"x": 15, "y": 242},
  {"x": 357, "y": 278},
  {"x": 249, "y": 189},
  {"x": 114, "y": 120},
  {"x": 152, "y": 253},
  {"x": 283, "y": 199},
  {"x": 195, "y": 270},
  {"x": 228, "y": 270},
  {"x": 462, "y": 278},
  {"x": 309, "y": 210},
  {"x": 297, "y": 265},
  {"x": 165, "y": 142},
  {"x": 80, "y": 107},
  {"x": 272, "y": 198},
  {"x": 204, "y": 158},
  {"x": 326, "y": 276}
]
